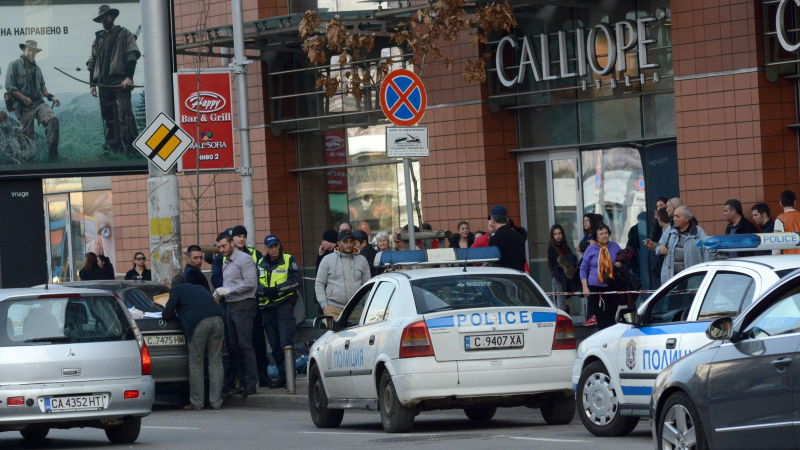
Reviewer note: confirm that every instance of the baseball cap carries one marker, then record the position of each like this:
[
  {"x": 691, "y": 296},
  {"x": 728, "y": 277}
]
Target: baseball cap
[
  {"x": 237, "y": 230},
  {"x": 346, "y": 234},
  {"x": 271, "y": 240},
  {"x": 228, "y": 231},
  {"x": 499, "y": 211},
  {"x": 360, "y": 235},
  {"x": 330, "y": 236}
]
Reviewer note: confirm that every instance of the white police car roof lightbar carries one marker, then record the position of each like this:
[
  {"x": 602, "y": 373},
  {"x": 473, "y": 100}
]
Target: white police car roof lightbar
[
  {"x": 750, "y": 242},
  {"x": 440, "y": 256}
]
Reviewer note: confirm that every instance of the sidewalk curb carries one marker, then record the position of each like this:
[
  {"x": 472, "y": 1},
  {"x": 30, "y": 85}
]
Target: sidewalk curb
[{"x": 268, "y": 401}]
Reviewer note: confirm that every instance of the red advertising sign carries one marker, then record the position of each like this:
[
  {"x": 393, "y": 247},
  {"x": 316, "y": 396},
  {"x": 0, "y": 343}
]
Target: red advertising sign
[
  {"x": 336, "y": 154},
  {"x": 210, "y": 107}
]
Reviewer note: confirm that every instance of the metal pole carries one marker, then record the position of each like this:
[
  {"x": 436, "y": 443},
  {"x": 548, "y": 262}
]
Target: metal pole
[
  {"x": 163, "y": 198},
  {"x": 288, "y": 352},
  {"x": 240, "y": 63},
  {"x": 409, "y": 202}
]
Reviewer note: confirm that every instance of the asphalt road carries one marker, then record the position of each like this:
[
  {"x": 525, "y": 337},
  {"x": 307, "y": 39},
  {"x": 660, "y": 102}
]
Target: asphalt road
[{"x": 256, "y": 428}]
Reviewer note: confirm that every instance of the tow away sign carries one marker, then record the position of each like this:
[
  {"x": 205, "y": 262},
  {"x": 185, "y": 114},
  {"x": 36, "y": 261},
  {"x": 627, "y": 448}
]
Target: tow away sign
[{"x": 407, "y": 142}]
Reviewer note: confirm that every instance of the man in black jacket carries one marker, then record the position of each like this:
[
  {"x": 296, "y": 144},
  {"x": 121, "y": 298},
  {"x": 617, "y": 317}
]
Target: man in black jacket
[
  {"x": 737, "y": 224},
  {"x": 192, "y": 272},
  {"x": 329, "y": 240},
  {"x": 510, "y": 242},
  {"x": 365, "y": 249}
]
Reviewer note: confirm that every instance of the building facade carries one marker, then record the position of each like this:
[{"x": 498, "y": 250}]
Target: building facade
[{"x": 574, "y": 119}]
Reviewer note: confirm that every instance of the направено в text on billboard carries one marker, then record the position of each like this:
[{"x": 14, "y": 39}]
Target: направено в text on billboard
[{"x": 72, "y": 76}]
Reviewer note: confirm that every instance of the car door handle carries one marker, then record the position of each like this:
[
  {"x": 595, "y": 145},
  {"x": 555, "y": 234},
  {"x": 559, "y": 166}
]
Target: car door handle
[
  {"x": 347, "y": 344},
  {"x": 671, "y": 343},
  {"x": 782, "y": 362},
  {"x": 371, "y": 340}
]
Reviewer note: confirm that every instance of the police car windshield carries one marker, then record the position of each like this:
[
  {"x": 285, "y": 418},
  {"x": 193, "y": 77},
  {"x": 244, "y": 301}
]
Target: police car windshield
[{"x": 475, "y": 291}]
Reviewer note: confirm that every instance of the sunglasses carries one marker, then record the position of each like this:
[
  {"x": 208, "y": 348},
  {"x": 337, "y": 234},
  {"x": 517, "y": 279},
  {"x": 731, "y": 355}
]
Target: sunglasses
[{"x": 141, "y": 258}]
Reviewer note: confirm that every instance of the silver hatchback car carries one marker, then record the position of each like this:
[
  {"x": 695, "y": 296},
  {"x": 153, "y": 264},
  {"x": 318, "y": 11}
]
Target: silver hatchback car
[{"x": 71, "y": 358}]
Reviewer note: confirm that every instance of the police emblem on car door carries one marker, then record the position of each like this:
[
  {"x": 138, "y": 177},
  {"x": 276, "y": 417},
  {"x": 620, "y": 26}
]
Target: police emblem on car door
[{"x": 630, "y": 354}]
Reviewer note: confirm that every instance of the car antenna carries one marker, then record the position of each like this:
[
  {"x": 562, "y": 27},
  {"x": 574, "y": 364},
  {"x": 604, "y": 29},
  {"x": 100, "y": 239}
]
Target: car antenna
[{"x": 466, "y": 257}]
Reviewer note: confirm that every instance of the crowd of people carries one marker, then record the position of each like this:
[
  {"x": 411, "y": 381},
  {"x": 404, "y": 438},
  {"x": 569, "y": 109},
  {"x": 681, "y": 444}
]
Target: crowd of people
[{"x": 605, "y": 266}]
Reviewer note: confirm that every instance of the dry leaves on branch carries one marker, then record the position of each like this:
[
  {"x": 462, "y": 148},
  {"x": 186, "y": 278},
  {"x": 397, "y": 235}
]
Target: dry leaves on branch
[
  {"x": 329, "y": 84},
  {"x": 475, "y": 70}
]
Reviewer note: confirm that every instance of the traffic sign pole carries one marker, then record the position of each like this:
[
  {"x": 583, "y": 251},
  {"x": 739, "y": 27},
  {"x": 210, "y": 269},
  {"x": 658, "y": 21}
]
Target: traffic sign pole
[
  {"x": 403, "y": 101},
  {"x": 163, "y": 198}
]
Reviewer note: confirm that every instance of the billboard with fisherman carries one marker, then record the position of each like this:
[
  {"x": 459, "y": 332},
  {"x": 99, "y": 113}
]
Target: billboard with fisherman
[{"x": 72, "y": 77}]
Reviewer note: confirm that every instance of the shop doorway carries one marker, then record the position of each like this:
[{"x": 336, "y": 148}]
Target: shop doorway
[
  {"x": 57, "y": 225},
  {"x": 551, "y": 194}
]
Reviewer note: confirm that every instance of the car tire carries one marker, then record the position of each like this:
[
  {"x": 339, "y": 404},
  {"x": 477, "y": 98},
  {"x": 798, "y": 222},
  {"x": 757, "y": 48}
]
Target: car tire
[
  {"x": 395, "y": 417},
  {"x": 480, "y": 413},
  {"x": 39, "y": 433},
  {"x": 677, "y": 404},
  {"x": 125, "y": 433},
  {"x": 598, "y": 406},
  {"x": 560, "y": 411},
  {"x": 321, "y": 415}
]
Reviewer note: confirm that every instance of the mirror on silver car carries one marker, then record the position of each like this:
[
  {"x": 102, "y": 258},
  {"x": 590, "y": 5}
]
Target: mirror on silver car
[{"x": 720, "y": 329}]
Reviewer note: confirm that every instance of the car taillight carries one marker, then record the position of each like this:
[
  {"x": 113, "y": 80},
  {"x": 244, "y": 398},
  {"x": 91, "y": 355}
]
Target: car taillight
[
  {"x": 15, "y": 401},
  {"x": 145, "y": 359},
  {"x": 131, "y": 394},
  {"x": 59, "y": 296},
  {"x": 416, "y": 341},
  {"x": 564, "y": 338}
]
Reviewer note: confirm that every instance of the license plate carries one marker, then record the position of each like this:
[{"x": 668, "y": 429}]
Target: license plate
[
  {"x": 493, "y": 341},
  {"x": 76, "y": 403},
  {"x": 167, "y": 339}
]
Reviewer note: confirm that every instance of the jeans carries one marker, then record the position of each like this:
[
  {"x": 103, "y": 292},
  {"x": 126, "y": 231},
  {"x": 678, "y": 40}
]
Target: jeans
[
  {"x": 560, "y": 300},
  {"x": 280, "y": 325},
  {"x": 241, "y": 315},
  {"x": 208, "y": 335}
]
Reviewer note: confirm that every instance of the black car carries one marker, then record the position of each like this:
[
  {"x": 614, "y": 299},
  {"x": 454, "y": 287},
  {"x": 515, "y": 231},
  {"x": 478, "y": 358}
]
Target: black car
[
  {"x": 739, "y": 390},
  {"x": 165, "y": 338}
]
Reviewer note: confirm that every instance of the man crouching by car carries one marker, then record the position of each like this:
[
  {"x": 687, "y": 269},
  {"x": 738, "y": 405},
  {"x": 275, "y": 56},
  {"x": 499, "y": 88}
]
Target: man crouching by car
[{"x": 201, "y": 319}]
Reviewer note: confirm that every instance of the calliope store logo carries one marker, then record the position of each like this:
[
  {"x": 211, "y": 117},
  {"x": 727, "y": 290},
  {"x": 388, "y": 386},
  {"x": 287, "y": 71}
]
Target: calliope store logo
[
  {"x": 780, "y": 26},
  {"x": 624, "y": 36}
]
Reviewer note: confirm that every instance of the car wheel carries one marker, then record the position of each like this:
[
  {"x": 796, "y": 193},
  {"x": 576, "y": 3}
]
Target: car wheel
[
  {"x": 126, "y": 433},
  {"x": 39, "y": 433},
  {"x": 560, "y": 411},
  {"x": 598, "y": 403},
  {"x": 321, "y": 415},
  {"x": 480, "y": 413},
  {"x": 679, "y": 426},
  {"x": 395, "y": 417}
]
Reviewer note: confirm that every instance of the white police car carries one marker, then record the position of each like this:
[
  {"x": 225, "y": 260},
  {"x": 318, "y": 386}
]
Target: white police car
[
  {"x": 428, "y": 339},
  {"x": 616, "y": 367}
]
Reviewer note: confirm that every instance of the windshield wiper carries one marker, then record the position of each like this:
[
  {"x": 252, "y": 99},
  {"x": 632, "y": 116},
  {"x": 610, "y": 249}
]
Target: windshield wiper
[{"x": 50, "y": 339}]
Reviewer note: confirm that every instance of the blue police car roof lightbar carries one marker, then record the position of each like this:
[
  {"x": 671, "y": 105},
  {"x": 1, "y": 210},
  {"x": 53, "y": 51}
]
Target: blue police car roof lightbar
[
  {"x": 751, "y": 242},
  {"x": 440, "y": 256}
]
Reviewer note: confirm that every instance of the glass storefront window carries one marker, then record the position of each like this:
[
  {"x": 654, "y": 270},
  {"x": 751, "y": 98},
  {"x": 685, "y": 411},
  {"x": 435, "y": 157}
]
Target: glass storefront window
[
  {"x": 611, "y": 120},
  {"x": 613, "y": 186},
  {"x": 548, "y": 126},
  {"x": 659, "y": 115}
]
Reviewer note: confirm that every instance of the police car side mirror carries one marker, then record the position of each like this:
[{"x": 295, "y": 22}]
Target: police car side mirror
[
  {"x": 627, "y": 315},
  {"x": 720, "y": 329},
  {"x": 323, "y": 323}
]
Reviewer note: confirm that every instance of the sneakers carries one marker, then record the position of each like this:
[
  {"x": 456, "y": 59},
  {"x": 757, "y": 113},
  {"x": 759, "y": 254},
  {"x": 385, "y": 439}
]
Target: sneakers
[
  {"x": 279, "y": 383},
  {"x": 191, "y": 407},
  {"x": 591, "y": 322}
]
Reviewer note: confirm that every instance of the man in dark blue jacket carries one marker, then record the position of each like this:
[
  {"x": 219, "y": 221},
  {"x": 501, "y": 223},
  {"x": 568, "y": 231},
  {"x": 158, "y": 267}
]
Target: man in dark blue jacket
[{"x": 192, "y": 272}]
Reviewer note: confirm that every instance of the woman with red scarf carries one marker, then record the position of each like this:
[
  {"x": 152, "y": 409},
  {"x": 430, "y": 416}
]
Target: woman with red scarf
[{"x": 596, "y": 268}]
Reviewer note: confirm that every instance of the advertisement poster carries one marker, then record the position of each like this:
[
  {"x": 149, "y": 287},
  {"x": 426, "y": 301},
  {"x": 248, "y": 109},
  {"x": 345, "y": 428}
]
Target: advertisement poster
[
  {"x": 336, "y": 154},
  {"x": 203, "y": 106},
  {"x": 98, "y": 221},
  {"x": 52, "y": 119}
]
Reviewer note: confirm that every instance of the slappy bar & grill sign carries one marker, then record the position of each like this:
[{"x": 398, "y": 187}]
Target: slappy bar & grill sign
[{"x": 206, "y": 102}]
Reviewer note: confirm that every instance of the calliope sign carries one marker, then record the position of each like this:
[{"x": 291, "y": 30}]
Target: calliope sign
[
  {"x": 624, "y": 36},
  {"x": 780, "y": 26}
]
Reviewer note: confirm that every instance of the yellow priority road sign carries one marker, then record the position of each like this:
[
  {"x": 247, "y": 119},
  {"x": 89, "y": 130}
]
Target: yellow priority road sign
[{"x": 163, "y": 142}]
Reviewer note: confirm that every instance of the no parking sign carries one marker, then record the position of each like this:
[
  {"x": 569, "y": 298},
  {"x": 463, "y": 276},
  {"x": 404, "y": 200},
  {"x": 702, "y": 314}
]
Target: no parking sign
[{"x": 403, "y": 98}]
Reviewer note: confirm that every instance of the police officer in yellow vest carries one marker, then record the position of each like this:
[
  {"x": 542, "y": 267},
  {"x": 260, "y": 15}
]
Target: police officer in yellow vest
[
  {"x": 279, "y": 279},
  {"x": 239, "y": 236}
]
